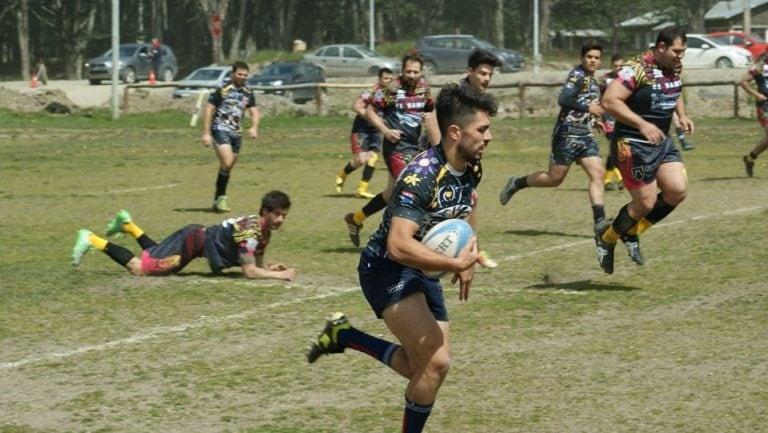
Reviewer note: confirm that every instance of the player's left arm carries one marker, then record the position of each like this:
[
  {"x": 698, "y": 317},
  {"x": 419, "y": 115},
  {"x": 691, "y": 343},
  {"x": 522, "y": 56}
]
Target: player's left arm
[
  {"x": 251, "y": 271},
  {"x": 253, "y": 131},
  {"x": 685, "y": 122}
]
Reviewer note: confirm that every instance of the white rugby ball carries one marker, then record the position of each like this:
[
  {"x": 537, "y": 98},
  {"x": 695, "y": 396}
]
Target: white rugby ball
[{"x": 447, "y": 238}]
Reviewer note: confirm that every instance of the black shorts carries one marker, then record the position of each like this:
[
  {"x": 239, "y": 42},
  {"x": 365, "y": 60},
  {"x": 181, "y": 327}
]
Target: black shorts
[
  {"x": 639, "y": 161},
  {"x": 567, "y": 149},
  {"x": 386, "y": 282}
]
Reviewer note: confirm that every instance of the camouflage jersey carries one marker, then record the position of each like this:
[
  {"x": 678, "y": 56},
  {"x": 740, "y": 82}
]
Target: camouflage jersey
[
  {"x": 360, "y": 124},
  {"x": 760, "y": 74},
  {"x": 231, "y": 102},
  {"x": 428, "y": 191},
  {"x": 654, "y": 94},
  {"x": 402, "y": 110},
  {"x": 579, "y": 90},
  {"x": 235, "y": 242}
]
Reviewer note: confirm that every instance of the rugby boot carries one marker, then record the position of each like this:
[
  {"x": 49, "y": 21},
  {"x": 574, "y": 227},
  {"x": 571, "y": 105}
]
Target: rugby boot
[
  {"x": 749, "y": 165},
  {"x": 116, "y": 225},
  {"x": 220, "y": 204},
  {"x": 508, "y": 191},
  {"x": 353, "y": 228},
  {"x": 328, "y": 341},
  {"x": 82, "y": 246},
  {"x": 633, "y": 249},
  {"x": 604, "y": 252}
]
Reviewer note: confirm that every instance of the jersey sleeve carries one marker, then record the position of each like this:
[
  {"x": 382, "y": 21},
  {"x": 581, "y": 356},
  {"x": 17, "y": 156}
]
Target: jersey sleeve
[
  {"x": 628, "y": 78},
  {"x": 414, "y": 192},
  {"x": 569, "y": 93},
  {"x": 216, "y": 97}
]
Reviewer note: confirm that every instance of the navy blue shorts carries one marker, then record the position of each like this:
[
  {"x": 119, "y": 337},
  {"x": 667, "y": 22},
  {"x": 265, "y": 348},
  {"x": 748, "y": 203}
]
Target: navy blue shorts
[
  {"x": 226, "y": 137},
  {"x": 566, "y": 149},
  {"x": 386, "y": 282},
  {"x": 639, "y": 161}
]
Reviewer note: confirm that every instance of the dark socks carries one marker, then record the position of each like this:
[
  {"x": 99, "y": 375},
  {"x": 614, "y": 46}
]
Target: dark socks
[
  {"x": 368, "y": 173},
  {"x": 145, "y": 242},
  {"x": 221, "y": 183},
  {"x": 521, "y": 182},
  {"x": 660, "y": 210},
  {"x": 119, "y": 254},
  {"x": 623, "y": 222},
  {"x": 415, "y": 416},
  {"x": 348, "y": 168},
  {"x": 374, "y": 205},
  {"x": 376, "y": 348},
  {"x": 598, "y": 212}
]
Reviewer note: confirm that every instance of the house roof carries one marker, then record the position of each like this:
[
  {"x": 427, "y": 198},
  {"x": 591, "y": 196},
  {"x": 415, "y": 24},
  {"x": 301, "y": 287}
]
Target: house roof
[
  {"x": 648, "y": 19},
  {"x": 580, "y": 33},
  {"x": 730, "y": 9}
]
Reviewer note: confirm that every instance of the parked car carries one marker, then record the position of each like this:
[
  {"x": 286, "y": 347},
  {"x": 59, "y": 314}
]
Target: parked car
[
  {"x": 449, "y": 54},
  {"x": 755, "y": 45},
  {"x": 351, "y": 60},
  {"x": 703, "y": 52},
  {"x": 202, "y": 80},
  {"x": 288, "y": 73},
  {"x": 135, "y": 64}
]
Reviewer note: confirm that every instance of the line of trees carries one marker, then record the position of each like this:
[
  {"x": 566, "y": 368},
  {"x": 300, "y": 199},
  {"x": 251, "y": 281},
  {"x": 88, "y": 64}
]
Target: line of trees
[{"x": 65, "y": 33}]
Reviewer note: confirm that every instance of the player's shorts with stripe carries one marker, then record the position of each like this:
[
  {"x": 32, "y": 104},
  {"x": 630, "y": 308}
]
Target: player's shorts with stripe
[
  {"x": 639, "y": 161},
  {"x": 234, "y": 139},
  {"x": 175, "y": 251},
  {"x": 386, "y": 282},
  {"x": 762, "y": 115},
  {"x": 397, "y": 160},
  {"x": 566, "y": 149},
  {"x": 365, "y": 142}
]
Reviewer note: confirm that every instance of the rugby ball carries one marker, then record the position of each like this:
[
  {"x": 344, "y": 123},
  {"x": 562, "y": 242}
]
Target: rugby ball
[{"x": 447, "y": 238}]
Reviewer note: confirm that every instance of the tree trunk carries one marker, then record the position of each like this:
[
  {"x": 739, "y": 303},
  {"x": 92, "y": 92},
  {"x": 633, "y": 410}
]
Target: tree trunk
[
  {"x": 22, "y": 30},
  {"x": 234, "y": 48},
  {"x": 219, "y": 7},
  {"x": 545, "y": 11},
  {"x": 498, "y": 24}
]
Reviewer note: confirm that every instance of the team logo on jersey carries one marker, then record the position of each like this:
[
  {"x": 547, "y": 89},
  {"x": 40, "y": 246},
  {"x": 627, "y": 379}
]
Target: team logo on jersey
[{"x": 412, "y": 179}]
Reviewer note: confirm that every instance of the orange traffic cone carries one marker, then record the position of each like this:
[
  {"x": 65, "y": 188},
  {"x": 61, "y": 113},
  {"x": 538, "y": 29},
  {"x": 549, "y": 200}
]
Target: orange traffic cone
[
  {"x": 33, "y": 84},
  {"x": 152, "y": 78}
]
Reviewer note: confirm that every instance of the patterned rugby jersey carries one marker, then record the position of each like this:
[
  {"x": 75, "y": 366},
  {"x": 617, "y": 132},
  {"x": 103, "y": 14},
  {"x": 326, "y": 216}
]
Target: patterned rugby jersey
[
  {"x": 236, "y": 241},
  {"x": 429, "y": 191},
  {"x": 360, "y": 124},
  {"x": 579, "y": 90},
  {"x": 760, "y": 74},
  {"x": 402, "y": 110},
  {"x": 231, "y": 102},
  {"x": 654, "y": 94}
]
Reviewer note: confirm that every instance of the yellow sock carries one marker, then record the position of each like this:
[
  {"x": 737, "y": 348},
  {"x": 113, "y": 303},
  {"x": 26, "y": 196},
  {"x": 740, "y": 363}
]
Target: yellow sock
[
  {"x": 97, "y": 242},
  {"x": 359, "y": 217},
  {"x": 342, "y": 174},
  {"x": 610, "y": 236},
  {"x": 608, "y": 177},
  {"x": 132, "y": 229},
  {"x": 363, "y": 187},
  {"x": 617, "y": 173},
  {"x": 640, "y": 227}
]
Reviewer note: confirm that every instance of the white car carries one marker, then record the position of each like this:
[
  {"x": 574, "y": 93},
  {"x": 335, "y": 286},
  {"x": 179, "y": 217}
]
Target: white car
[
  {"x": 351, "y": 60},
  {"x": 203, "y": 80},
  {"x": 704, "y": 52}
]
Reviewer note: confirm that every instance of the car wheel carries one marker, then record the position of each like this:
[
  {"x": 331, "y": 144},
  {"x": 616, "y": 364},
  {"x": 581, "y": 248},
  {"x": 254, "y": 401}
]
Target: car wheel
[
  {"x": 130, "y": 76},
  {"x": 429, "y": 68},
  {"x": 167, "y": 74},
  {"x": 723, "y": 62},
  {"x": 94, "y": 82}
]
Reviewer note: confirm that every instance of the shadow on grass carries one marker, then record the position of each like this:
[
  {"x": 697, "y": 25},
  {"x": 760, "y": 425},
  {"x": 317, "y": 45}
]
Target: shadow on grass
[
  {"x": 545, "y": 233},
  {"x": 342, "y": 250},
  {"x": 719, "y": 179},
  {"x": 344, "y": 195},
  {"x": 194, "y": 209},
  {"x": 582, "y": 286}
]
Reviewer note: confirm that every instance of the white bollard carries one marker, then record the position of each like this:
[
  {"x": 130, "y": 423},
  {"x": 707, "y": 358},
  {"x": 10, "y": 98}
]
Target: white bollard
[{"x": 198, "y": 105}]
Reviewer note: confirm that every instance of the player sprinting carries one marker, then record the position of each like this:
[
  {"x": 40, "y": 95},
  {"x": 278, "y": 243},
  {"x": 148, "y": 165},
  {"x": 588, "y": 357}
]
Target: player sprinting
[
  {"x": 572, "y": 138},
  {"x": 439, "y": 184},
  {"x": 365, "y": 140},
  {"x": 222, "y": 127},
  {"x": 758, "y": 74},
  {"x": 642, "y": 99},
  {"x": 235, "y": 241}
]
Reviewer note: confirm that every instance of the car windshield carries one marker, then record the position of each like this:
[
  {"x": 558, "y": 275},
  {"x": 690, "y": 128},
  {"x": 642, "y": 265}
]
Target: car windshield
[
  {"x": 367, "y": 52},
  {"x": 124, "y": 51},
  {"x": 484, "y": 45},
  {"x": 205, "y": 75},
  {"x": 724, "y": 40},
  {"x": 279, "y": 69}
]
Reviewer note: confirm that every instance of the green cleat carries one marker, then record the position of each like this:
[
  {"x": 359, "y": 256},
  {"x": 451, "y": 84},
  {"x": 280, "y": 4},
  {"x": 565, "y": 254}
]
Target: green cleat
[
  {"x": 328, "y": 340},
  {"x": 116, "y": 225},
  {"x": 82, "y": 246},
  {"x": 220, "y": 204}
]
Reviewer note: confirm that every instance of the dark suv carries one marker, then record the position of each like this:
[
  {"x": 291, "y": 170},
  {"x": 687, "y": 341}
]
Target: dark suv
[
  {"x": 449, "y": 54},
  {"x": 135, "y": 64}
]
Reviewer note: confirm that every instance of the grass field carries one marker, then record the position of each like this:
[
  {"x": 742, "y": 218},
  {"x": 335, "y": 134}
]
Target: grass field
[{"x": 546, "y": 343}]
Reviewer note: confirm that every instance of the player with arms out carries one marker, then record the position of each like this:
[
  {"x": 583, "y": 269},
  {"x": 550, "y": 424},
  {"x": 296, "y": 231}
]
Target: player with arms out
[
  {"x": 236, "y": 241},
  {"x": 439, "y": 184},
  {"x": 365, "y": 140},
  {"x": 643, "y": 99},
  {"x": 222, "y": 127}
]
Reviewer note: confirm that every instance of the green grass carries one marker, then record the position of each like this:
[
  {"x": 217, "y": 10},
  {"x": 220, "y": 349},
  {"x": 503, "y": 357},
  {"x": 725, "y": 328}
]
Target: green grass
[{"x": 546, "y": 343}]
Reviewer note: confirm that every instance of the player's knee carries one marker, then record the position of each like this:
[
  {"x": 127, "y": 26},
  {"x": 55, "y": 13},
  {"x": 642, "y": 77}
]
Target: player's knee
[
  {"x": 674, "y": 198},
  {"x": 371, "y": 159},
  {"x": 439, "y": 365}
]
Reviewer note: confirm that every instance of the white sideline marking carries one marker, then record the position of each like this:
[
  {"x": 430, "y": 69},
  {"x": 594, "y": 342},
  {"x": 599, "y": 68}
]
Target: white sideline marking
[
  {"x": 203, "y": 321},
  {"x": 146, "y": 188},
  {"x": 662, "y": 225}
]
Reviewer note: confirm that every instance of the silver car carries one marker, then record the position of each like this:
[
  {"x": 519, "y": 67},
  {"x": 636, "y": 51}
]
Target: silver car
[
  {"x": 351, "y": 60},
  {"x": 202, "y": 80}
]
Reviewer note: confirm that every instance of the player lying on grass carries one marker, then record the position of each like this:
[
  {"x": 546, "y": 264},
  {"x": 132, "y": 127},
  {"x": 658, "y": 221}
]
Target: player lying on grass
[{"x": 235, "y": 241}]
